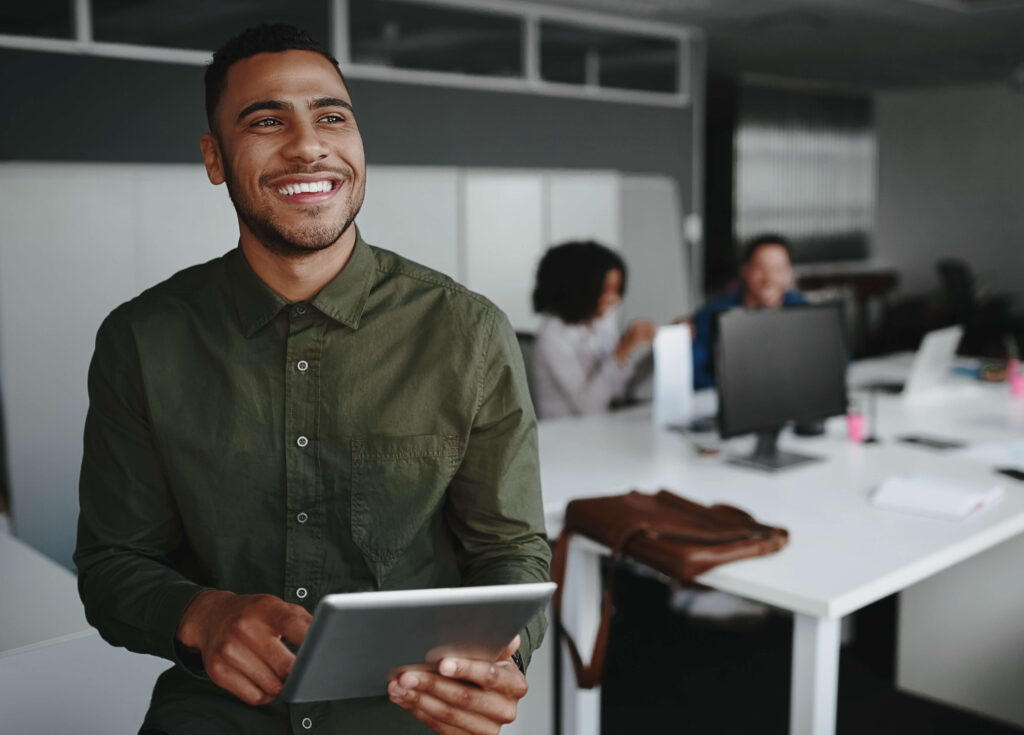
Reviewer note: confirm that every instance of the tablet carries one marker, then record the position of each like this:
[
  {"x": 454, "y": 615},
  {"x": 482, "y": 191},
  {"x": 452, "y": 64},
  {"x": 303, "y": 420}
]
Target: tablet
[{"x": 356, "y": 640}]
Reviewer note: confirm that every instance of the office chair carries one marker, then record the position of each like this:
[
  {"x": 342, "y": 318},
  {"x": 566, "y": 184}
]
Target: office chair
[{"x": 986, "y": 322}]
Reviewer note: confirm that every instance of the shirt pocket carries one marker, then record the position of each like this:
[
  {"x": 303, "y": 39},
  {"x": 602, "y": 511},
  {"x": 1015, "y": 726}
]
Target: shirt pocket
[{"x": 398, "y": 484}]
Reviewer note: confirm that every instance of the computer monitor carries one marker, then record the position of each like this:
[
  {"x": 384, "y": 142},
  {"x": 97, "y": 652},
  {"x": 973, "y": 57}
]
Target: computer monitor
[{"x": 774, "y": 366}]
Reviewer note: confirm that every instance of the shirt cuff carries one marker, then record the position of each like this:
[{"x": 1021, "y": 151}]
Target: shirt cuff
[{"x": 163, "y": 621}]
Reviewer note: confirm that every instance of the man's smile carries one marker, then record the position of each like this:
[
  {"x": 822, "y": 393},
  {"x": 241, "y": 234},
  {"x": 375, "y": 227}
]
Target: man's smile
[{"x": 306, "y": 188}]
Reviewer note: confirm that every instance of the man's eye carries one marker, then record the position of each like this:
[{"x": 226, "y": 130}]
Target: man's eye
[
  {"x": 332, "y": 118},
  {"x": 266, "y": 122}
]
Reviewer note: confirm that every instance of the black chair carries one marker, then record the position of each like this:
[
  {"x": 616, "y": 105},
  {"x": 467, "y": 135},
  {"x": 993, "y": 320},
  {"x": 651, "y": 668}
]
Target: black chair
[{"x": 986, "y": 323}]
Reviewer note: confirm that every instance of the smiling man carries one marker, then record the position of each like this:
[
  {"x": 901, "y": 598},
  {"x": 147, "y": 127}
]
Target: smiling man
[
  {"x": 307, "y": 414},
  {"x": 766, "y": 277}
]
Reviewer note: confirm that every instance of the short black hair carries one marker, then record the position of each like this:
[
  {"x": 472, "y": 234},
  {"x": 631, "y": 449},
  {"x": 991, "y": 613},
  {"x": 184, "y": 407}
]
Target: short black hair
[
  {"x": 260, "y": 39},
  {"x": 570, "y": 279},
  {"x": 762, "y": 239}
]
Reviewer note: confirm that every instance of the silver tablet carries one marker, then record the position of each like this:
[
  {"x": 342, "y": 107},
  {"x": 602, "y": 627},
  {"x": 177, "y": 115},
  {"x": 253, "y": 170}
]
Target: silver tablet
[{"x": 356, "y": 640}]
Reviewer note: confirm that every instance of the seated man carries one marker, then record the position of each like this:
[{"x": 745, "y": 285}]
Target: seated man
[{"x": 766, "y": 275}]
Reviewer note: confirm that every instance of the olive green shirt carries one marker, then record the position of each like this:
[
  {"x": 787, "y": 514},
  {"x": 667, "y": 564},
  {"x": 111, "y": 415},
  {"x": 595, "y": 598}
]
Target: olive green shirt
[{"x": 378, "y": 436}]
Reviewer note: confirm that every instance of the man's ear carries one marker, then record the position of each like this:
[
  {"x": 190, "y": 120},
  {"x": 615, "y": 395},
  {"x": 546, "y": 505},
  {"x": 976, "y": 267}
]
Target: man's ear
[{"x": 212, "y": 158}]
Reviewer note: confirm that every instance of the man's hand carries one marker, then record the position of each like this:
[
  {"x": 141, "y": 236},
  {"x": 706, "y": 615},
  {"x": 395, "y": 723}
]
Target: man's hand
[
  {"x": 465, "y": 696},
  {"x": 239, "y": 638}
]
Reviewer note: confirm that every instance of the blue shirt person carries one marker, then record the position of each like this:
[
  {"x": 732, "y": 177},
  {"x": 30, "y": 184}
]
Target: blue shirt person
[{"x": 766, "y": 276}]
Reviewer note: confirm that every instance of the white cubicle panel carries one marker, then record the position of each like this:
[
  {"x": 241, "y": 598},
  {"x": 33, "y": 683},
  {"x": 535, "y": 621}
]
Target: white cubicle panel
[
  {"x": 583, "y": 206},
  {"x": 652, "y": 244},
  {"x": 504, "y": 237},
  {"x": 68, "y": 257},
  {"x": 78, "y": 240},
  {"x": 183, "y": 220},
  {"x": 414, "y": 212}
]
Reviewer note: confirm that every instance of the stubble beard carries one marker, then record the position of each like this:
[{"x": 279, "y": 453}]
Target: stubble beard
[{"x": 270, "y": 232}]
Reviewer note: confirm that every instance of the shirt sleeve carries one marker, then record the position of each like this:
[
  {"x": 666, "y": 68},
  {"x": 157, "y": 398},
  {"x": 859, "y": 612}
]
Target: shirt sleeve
[
  {"x": 128, "y": 525},
  {"x": 494, "y": 502},
  {"x": 703, "y": 363},
  {"x": 584, "y": 390}
]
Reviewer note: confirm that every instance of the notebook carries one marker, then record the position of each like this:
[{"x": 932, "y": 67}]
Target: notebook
[{"x": 936, "y": 497}]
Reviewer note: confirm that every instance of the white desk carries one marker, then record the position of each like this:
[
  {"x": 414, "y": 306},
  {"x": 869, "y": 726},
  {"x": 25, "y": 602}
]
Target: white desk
[
  {"x": 843, "y": 553},
  {"x": 56, "y": 674}
]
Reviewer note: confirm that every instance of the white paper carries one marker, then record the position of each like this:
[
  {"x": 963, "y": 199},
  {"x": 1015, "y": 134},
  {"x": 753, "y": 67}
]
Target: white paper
[
  {"x": 935, "y": 496},
  {"x": 673, "y": 376}
]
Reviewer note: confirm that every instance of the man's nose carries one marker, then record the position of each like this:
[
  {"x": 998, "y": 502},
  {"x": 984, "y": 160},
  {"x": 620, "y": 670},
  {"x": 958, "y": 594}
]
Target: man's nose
[{"x": 306, "y": 144}]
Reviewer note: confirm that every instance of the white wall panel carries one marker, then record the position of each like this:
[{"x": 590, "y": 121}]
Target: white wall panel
[
  {"x": 415, "y": 212},
  {"x": 68, "y": 258},
  {"x": 183, "y": 220},
  {"x": 584, "y": 206},
  {"x": 652, "y": 245},
  {"x": 504, "y": 236}
]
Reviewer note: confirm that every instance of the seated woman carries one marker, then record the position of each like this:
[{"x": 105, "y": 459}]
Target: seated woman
[{"x": 580, "y": 363}]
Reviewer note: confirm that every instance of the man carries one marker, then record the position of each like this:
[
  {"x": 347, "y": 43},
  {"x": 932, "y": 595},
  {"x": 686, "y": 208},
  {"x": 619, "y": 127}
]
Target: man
[
  {"x": 305, "y": 415},
  {"x": 766, "y": 275}
]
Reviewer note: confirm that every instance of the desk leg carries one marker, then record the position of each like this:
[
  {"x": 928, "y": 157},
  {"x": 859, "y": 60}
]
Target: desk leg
[
  {"x": 581, "y": 608},
  {"x": 815, "y": 677}
]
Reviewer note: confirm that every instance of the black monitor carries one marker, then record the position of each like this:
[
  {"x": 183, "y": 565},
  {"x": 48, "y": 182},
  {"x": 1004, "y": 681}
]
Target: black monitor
[{"x": 775, "y": 366}]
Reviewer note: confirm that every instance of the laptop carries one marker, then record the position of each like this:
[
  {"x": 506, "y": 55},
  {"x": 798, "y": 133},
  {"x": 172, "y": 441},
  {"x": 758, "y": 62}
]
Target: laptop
[{"x": 931, "y": 365}]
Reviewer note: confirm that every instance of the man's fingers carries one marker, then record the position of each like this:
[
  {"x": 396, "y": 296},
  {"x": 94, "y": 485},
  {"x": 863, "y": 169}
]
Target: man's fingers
[
  {"x": 503, "y": 677},
  {"x": 512, "y": 647},
  {"x": 226, "y": 676},
  {"x": 293, "y": 623},
  {"x": 259, "y": 667},
  {"x": 440, "y": 716},
  {"x": 461, "y": 696}
]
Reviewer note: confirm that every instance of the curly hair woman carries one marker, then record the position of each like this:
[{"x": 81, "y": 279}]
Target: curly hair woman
[{"x": 580, "y": 363}]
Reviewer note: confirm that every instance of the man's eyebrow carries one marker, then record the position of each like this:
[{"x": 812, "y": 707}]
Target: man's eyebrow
[
  {"x": 330, "y": 102},
  {"x": 263, "y": 105}
]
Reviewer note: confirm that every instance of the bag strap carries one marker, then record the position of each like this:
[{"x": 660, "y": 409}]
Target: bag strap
[{"x": 589, "y": 675}]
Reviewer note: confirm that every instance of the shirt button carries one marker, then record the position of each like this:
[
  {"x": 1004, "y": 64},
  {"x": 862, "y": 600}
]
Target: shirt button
[
  {"x": 307, "y": 723},
  {"x": 302, "y": 441},
  {"x": 301, "y": 593},
  {"x": 302, "y": 517},
  {"x": 302, "y": 365},
  {"x": 300, "y": 309}
]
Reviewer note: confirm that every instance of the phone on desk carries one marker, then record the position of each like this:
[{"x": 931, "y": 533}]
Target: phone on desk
[
  {"x": 1015, "y": 472},
  {"x": 932, "y": 442}
]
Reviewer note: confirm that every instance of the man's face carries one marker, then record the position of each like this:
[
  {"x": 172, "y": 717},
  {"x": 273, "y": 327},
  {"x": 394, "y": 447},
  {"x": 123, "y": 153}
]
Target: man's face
[
  {"x": 767, "y": 276},
  {"x": 287, "y": 145}
]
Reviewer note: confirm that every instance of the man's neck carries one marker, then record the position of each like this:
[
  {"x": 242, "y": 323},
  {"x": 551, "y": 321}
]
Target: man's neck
[{"x": 298, "y": 278}]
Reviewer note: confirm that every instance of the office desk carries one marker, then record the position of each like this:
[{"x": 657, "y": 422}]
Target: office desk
[
  {"x": 843, "y": 553},
  {"x": 56, "y": 674}
]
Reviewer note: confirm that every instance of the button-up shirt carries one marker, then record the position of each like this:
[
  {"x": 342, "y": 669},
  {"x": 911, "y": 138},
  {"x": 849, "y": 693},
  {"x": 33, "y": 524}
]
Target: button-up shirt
[{"x": 378, "y": 436}]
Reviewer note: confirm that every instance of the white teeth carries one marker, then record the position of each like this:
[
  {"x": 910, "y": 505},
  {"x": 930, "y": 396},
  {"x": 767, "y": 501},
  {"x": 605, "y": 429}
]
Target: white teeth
[{"x": 305, "y": 188}]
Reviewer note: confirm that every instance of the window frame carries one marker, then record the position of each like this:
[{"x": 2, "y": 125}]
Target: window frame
[{"x": 531, "y": 15}]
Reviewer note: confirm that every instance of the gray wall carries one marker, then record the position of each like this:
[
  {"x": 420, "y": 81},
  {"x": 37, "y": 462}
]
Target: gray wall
[
  {"x": 81, "y": 108},
  {"x": 951, "y": 183}
]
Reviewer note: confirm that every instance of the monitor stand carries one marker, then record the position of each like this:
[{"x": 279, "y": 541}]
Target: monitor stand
[{"x": 767, "y": 456}]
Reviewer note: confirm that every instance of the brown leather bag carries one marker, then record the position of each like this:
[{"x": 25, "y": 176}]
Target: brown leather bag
[{"x": 670, "y": 534}]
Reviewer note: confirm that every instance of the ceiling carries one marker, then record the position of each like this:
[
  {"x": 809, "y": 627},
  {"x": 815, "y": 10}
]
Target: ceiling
[{"x": 849, "y": 43}]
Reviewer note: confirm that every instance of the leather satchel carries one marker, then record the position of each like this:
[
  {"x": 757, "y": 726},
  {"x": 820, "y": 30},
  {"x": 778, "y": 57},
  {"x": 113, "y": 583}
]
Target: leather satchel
[{"x": 672, "y": 535}]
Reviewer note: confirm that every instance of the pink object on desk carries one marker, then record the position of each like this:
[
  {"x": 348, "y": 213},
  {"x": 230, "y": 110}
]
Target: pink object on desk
[
  {"x": 855, "y": 424},
  {"x": 1014, "y": 378}
]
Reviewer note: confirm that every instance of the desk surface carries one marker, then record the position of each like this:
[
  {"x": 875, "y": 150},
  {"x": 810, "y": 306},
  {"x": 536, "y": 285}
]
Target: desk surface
[
  {"x": 843, "y": 553},
  {"x": 39, "y": 602}
]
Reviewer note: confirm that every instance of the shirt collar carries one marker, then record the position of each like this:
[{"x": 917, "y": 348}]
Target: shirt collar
[{"x": 342, "y": 299}]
